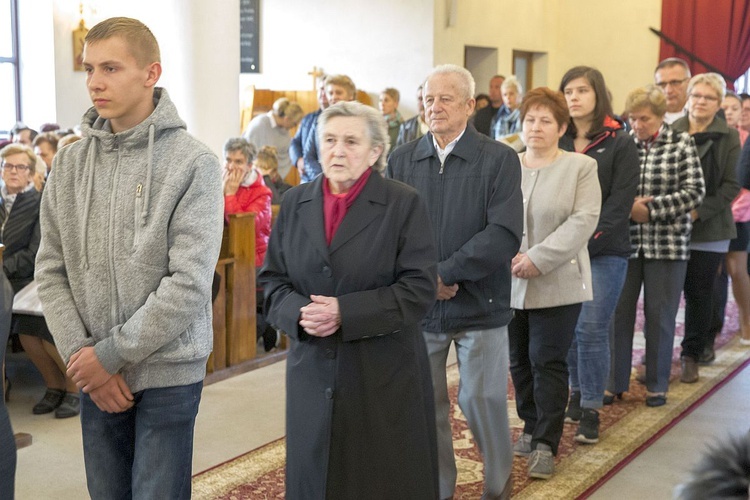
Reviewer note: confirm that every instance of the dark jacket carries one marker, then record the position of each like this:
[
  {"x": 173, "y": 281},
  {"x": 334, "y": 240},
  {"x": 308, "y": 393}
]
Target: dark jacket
[
  {"x": 482, "y": 120},
  {"x": 360, "y": 412},
  {"x": 410, "y": 130},
  {"x": 618, "y": 166},
  {"x": 719, "y": 150},
  {"x": 21, "y": 235},
  {"x": 476, "y": 207}
]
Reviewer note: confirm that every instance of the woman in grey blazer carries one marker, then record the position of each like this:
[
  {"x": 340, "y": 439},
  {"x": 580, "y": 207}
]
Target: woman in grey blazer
[{"x": 551, "y": 274}]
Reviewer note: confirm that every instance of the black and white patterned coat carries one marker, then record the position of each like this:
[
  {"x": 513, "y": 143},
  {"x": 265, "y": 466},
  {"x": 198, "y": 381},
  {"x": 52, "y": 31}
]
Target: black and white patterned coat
[{"x": 671, "y": 173}]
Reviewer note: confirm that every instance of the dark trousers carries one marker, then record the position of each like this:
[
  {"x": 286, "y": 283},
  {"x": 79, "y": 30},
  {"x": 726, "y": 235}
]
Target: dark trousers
[
  {"x": 7, "y": 441},
  {"x": 700, "y": 287},
  {"x": 539, "y": 341}
]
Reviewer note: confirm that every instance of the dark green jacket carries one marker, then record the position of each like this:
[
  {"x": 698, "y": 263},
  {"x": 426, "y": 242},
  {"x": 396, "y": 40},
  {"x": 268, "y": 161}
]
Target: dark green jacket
[{"x": 719, "y": 151}]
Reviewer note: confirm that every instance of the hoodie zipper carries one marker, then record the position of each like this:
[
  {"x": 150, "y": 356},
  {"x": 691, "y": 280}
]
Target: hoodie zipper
[{"x": 137, "y": 226}]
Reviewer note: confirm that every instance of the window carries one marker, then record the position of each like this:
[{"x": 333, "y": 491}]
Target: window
[
  {"x": 10, "y": 104},
  {"x": 742, "y": 85}
]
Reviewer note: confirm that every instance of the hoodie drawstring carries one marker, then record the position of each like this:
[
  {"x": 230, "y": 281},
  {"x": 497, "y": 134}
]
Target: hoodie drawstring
[
  {"x": 90, "y": 163},
  {"x": 149, "y": 168}
]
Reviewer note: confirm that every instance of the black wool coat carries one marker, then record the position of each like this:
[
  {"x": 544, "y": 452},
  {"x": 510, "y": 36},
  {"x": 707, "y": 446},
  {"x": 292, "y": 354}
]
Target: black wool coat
[
  {"x": 360, "y": 410},
  {"x": 20, "y": 233}
]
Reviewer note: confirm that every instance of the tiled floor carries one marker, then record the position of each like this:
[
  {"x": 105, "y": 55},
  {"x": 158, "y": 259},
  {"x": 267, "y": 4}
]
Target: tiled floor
[{"x": 247, "y": 411}]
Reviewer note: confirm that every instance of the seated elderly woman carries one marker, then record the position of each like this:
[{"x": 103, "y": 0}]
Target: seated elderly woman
[
  {"x": 551, "y": 274},
  {"x": 273, "y": 129},
  {"x": 360, "y": 411},
  {"x": 507, "y": 121},
  {"x": 671, "y": 185},
  {"x": 245, "y": 191},
  {"x": 388, "y": 104},
  {"x": 21, "y": 236}
]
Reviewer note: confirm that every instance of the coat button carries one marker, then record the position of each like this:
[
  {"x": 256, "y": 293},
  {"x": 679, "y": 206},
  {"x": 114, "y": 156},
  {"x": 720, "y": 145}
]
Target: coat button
[
  {"x": 572, "y": 261},
  {"x": 327, "y": 271},
  {"x": 330, "y": 353},
  {"x": 329, "y": 393}
]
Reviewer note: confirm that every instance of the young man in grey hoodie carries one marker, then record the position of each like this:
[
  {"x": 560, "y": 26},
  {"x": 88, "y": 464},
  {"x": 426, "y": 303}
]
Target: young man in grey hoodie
[{"x": 131, "y": 228}]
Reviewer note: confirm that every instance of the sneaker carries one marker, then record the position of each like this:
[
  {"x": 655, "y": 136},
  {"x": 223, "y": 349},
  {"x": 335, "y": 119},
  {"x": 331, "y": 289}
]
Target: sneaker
[
  {"x": 51, "y": 400},
  {"x": 574, "y": 413},
  {"x": 522, "y": 447},
  {"x": 541, "y": 462},
  {"x": 588, "y": 429},
  {"x": 70, "y": 406}
]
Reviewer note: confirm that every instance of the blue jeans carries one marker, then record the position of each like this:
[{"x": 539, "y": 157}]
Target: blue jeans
[
  {"x": 588, "y": 357},
  {"x": 145, "y": 452}
]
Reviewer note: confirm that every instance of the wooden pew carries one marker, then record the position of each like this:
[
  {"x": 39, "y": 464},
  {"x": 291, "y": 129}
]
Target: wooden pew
[{"x": 234, "y": 308}]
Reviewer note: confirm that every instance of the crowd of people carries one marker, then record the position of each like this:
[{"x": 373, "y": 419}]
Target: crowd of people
[{"x": 521, "y": 232}]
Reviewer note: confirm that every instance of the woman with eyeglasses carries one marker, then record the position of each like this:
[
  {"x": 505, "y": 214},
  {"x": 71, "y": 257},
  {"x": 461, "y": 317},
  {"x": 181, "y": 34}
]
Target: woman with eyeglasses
[
  {"x": 20, "y": 233},
  {"x": 713, "y": 225}
]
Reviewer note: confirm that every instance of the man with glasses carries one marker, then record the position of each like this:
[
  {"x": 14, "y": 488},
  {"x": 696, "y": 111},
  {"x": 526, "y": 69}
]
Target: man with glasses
[{"x": 672, "y": 76}]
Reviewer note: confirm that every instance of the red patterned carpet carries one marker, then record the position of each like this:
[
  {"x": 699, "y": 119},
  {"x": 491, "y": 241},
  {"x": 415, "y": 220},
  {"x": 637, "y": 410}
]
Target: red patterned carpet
[{"x": 627, "y": 427}]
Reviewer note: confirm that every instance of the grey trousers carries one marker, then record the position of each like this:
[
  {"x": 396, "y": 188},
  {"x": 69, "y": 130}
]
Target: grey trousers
[
  {"x": 482, "y": 396},
  {"x": 662, "y": 285}
]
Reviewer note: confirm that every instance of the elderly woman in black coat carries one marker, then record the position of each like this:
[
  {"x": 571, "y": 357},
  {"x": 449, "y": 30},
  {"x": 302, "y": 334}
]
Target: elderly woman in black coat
[{"x": 349, "y": 273}]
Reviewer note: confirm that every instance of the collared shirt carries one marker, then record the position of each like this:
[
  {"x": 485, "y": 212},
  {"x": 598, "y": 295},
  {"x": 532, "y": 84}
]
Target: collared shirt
[
  {"x": 273, "y": 120},
  {"x": 443, "y": 153}
]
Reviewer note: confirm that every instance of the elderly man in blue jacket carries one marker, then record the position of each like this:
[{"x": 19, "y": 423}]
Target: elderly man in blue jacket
[{"x": 472, "y": 186}]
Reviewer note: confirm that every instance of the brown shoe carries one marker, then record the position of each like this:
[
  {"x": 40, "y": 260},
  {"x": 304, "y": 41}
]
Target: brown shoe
[{"x": 689, "y": 370}]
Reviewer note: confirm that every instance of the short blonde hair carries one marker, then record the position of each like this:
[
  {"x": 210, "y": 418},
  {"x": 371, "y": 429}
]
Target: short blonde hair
[
  {"x": 16, "y": 148},
  {"x": 512, "y": 81},
  {"x": 141, "y": 42},
  {"x": 651, "y": 97},
  {"x": 343, "y": 81},
  {"x": 392, "y": 93},
  {"x": 283, "y": 107},
  {"x": 267, "y": 157},
  {"x": 713, "y": 80}
]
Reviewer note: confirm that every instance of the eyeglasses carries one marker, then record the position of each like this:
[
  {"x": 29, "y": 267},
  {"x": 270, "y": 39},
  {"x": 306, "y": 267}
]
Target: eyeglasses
[
  {"x": 18, "y": 168},
  {"x": 672, "y": 83},
  {"x": 708, "y": 98}
]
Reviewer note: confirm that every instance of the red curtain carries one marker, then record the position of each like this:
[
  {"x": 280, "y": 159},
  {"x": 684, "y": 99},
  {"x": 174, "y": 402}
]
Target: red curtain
[{"x": 716, "y": 31}]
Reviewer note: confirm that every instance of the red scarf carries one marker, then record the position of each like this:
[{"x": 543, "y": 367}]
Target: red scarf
[{"x": 335, "y": 206}]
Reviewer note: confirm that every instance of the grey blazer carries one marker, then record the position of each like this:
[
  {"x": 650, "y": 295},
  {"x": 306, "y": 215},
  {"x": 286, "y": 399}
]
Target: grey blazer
[{"x": 561, "y": 204}]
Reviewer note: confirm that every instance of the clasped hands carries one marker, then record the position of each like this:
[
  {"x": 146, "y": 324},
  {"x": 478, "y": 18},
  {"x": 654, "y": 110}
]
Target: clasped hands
[
  {"x": 639, "y": 213},
  {"x": 109, "y": 392},
  {"x": 321, "y": 317},
  {"x": 522, "y": 267}
]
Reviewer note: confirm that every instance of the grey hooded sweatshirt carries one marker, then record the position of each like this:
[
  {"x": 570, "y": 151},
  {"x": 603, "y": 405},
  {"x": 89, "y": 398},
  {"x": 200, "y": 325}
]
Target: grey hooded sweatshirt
[{"x": 131, "y": 230}]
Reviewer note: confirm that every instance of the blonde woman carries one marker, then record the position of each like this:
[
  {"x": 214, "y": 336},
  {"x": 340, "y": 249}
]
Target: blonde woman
[{"x": 272, "y": 129}]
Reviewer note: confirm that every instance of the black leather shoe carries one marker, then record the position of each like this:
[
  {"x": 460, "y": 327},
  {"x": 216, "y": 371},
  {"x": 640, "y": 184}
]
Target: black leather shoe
[
  {"x": 689, "y": 370},
  {"x": 707, "y": 356},
  {"x": 610, "y": 398},
  {"x": 51, "y": 400},
  {"x": 656, "y": 400}
]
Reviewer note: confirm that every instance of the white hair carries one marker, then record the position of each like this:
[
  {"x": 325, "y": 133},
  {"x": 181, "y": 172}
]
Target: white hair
[{"x": 467, "y": 86}]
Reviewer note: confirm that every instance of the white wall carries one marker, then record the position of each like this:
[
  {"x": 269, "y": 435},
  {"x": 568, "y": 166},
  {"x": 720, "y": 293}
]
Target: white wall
[
  {"x": 612, "y": 36},
  {"x": 378, "y": 44},
  {"x": 37, "y": 63},
  {"x": 197, "y": 42}
]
